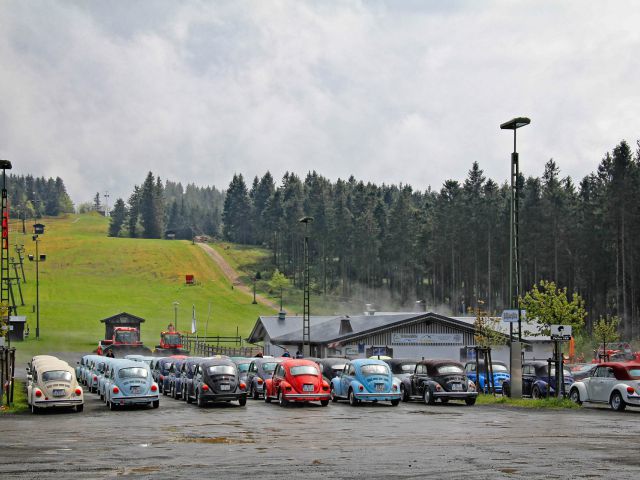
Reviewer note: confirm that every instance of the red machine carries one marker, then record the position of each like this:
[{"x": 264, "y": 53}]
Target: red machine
[
  {"x": 125, "y": 341},
  {"x": 170, "y": 344}
]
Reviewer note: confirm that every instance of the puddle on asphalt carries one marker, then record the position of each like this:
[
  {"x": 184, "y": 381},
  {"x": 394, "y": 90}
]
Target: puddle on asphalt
[
  {"x": 508, "y": 470},
  {"x": 215, "y": 440}
]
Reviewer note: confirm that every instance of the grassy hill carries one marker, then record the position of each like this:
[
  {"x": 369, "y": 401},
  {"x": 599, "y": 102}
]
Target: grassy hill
[{"x": 88, "y": 276}]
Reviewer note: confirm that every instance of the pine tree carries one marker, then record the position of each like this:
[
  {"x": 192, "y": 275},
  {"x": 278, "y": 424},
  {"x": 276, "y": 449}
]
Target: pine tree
[{"x": 117, "y": 218}]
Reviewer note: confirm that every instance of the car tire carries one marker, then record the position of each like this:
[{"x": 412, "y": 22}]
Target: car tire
[
  {"x": 281, "y": 400},
  {"x": 164, "y": 392},
  {"x": 403, "y": 392},
  {"x": 199, "y": 401},
  {"x": 395, "y": 403},
  {"x": 267, "y": 398},
  {"x": 574, "y": 396},
  {"x": 332, "y": 394},
  {"x": 470, "y": 401},
  {"x": 535, "y": 393},
  {"x": 324, "y": 403},
  {"x": 254, "y": 393},
  {"x": 112, "y": 406},
  {"x": 155, "y": 403},
  {"x": 428, "y": 397},
  {"x": 242, "y": 401},
  {"x": 188, "y": 399},
  {"x": 34, "y": 409},
  {"x": 616, "y": 402},
  {"x": 505, "y": 390},
  {"x": 353, "y": 401},
  {"x": 79, "y": 408}
]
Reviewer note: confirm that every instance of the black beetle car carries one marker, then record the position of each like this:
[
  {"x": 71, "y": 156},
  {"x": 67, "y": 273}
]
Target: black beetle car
[
  {"x": 330, "y": 367},
  {"x": 402, "y": 369},
  {"x": 441, "y": 379},
  {"x": 217, "y": 380}
]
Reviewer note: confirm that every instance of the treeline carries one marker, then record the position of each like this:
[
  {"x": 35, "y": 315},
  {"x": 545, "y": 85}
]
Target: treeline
[
  {"x": 451, "y": 247},
  {"x": 33, "y": 197},
  {"x": 155, "y": 209}
]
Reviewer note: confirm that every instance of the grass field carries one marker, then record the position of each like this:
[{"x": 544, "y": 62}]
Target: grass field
[{"x": 88, "y": 276}]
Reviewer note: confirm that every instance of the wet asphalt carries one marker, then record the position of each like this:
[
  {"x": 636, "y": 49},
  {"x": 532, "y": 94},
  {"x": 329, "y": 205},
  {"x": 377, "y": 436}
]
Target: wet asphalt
[{"x": 375, "y": 441}]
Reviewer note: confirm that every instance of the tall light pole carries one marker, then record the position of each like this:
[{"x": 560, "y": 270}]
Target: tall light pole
[
  {"x": 175, "y": 315},
  {"x": 514, "y": 259},
  {"x": 38, "y": 229},
  {"x": 6, "y": 297},
  {"x": 306, "y": 315}
]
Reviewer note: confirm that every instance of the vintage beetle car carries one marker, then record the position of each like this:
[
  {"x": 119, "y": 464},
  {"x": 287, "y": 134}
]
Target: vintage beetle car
[
  {"x": 186, "y": 377},
  {"x": 52, "y": 383},
  {"x": 160, "y": 372},
  {"x": 535, "y": 375},
  {"x": 297, "y": 380},
  {"x": 402, "y": 368},
  {"x": 175, "y": 379},
  {"x": 217, "y": 380},
  {"x": 259, "y": 370},
  {"x": 500, "y": 375},
  {"x": 103, "y": 378},
  {"x": 130, "y": 383},
  {"x": 366, "y": 380},
  {"x": 93, "y": 373},
  {"x": 243, "y": 366},
  {"x": 442, "y": 380},
  {"x": 615, "y": 383}
]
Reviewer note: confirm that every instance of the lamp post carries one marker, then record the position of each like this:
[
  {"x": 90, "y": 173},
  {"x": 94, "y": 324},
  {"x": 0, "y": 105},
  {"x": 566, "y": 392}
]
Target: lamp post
[
  {"x": 254, "y": 291},
  {"x": 306, "y": 315},
  {"x": 175, "y": 315},
  {"x": 38, "y": 229},
  {"x": 514, "y": 259}
]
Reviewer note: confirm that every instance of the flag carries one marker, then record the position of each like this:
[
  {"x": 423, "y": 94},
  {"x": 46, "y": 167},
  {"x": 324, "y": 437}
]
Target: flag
[{"x": 194, "y": 328}]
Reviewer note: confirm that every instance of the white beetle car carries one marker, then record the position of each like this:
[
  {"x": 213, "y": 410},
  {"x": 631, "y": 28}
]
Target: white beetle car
[
  {"x": 52, "y": 383},
  {"x": 615, "y": 383}
]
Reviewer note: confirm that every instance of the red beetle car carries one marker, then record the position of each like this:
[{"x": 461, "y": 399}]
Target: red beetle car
[{"x": 297, "y": 380}]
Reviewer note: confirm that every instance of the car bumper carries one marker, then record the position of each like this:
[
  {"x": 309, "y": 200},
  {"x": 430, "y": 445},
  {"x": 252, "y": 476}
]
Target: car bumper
[
  {"x": 222, "y": 397},
  {"x": 382, "y": 397},
  {"x": 306, "y": 397},
  {"x": 69, "y": 402},
  {"x": 455, "y": 395},
  {"x": 140, "y": 400},
  {"x": 633, "y": 400}
]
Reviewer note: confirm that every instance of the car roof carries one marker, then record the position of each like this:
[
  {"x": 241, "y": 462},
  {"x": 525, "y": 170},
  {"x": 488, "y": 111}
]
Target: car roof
[
  {"x": 260, "y": 361},
  {"x": 439, "y": 362},
  {"x": 126, "y": 363},
  {"x": 294, "y": 362},
  {"x": 216, "y": 361},
  {"x": 368, "y": 361}
]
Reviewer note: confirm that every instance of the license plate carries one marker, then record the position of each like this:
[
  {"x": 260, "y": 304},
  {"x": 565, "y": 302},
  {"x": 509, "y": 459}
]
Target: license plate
[
  {"x": 58, "y": 392},
  {"x": 456, "y": 386},
  {"x": 135, "y": 389},
  {"x": 380, "y": 387},
  {"x": 225, "y": 387},
  {"x": 307, "y": 388}
]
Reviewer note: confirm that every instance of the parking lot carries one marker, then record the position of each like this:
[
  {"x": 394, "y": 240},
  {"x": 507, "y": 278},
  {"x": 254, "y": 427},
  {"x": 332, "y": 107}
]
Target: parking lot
[{"x": 267, "y": 441}]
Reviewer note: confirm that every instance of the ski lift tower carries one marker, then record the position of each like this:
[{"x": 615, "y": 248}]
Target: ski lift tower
[{"x": 7, "y": 302}]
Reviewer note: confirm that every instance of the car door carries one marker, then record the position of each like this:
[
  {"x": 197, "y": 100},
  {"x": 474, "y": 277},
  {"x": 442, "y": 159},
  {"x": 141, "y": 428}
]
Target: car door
[
  {"x": 604, "y": 381},
  {"x": 276, "y": 380},
  {"x": 528, "y": 377},
  {"x": 345, "y": 381},
  {"x": 416, "y": 380}
]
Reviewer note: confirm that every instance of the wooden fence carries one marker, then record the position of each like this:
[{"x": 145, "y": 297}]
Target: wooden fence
[{"x": 218, "y": 345}]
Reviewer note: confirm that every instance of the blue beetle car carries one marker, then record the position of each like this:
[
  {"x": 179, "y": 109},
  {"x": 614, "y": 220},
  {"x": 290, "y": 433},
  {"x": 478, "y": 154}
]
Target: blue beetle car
[
  {"x": 500, "y": 375},
  {"x": 366, "y": 380},
  {"x": 130, "y": 383},
  {"x": 535, "y": 375}
]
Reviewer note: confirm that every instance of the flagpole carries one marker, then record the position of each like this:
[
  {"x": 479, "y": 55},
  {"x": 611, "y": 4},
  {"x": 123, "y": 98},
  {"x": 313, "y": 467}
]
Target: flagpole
[{"x": 206, "y": 325}]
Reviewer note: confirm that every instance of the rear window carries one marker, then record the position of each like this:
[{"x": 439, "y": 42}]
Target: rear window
[
  {"x": 634, "y": 373},
  {"x": 133, "y": 372},
  {"x": 374, "y": 370},
  {"x": 243, "y": 367},
  {"x": 269, "y": 367},
  {"x": 408, "y": 367},
  {"x": 499, "y": 368},
  {"x": 304, "y": 370},
  {"x": 61, "y": 375},
  {"x": 221, "y": 370},
  {"x": 449, "y": 370}
]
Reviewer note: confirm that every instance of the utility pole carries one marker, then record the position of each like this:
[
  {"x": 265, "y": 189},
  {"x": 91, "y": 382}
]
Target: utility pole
[
  {"x": 106, "y": 204},
  {"x": 306, "y": 315}
]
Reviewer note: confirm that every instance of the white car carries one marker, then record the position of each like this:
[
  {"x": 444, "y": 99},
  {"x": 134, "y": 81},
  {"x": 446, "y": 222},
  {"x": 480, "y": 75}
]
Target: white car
[
  {"x": 52, "y": 383},
  {"x": 615, "y": 383}
]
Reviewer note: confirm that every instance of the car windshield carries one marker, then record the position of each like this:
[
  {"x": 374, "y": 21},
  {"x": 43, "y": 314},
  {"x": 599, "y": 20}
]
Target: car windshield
[
  {"x": 408, "y": 367},
  {"x": 172, "y": 339},
  {"x": 133, "y": 372},
  {"x": 634, "y": 373},
  {"x": 374, "y": 370},
  {"x": 304, "y": 370},
  {"x": 221, "y": 370},
  {"x": 269, "y": 367},
  {"x": 127, "y": 337},
  {"x": 565, "y": 372},
  {"x": 52, "y": 375},
  {"x": 449, "y": 370},
  {"x": 243, "y": 367},
  {"x": 337, "y": 368}
]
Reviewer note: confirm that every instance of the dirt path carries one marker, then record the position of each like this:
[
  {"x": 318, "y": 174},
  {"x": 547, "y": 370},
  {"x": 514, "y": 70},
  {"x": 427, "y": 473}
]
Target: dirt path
[{"x": 234, "y": 276}]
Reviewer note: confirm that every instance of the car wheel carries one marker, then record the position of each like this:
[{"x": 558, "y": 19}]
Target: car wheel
[
  {"x": 334, "y": 399},
  {"x": 505, "y": 390},
  {"x": 470, "y": 401},
  {"x": 254, "y": 392},
  {"x": 429, "y": 399},
  {"x": 265, "y": 393},
  {"x": 574, "y": 396},
  {"x": 535, "y": 393},
  {"x": 188, "y": 398},
  {"x": 616, "y": 402},
  {"x": 403, "y": 392},
  {"x": 395, "y": 403},
  {"x": 199, "y": 400},
  {"x": 324, "y": 403},
  {"x": 281, "y": 400},
  {"x": 112, "y": 406},
  {"x": 183, "y": 395},
  {"x": 164, "y": 392},
  {"x": 353, "y": 401},
  {"x": 34, "y": 409},
  {"x": 79, "y": 408},
  {"x": 242, "y": 401},
  {"x": 155, "y": 404}
]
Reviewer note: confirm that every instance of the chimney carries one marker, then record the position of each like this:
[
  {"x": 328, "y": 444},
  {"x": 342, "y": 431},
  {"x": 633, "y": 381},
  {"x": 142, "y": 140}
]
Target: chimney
[
  {"x": 281, "y": 315},
  {"x": 421, "y": 306},
  {"x": 369, "y": 309},
  {"x": 345, "y": 326}
]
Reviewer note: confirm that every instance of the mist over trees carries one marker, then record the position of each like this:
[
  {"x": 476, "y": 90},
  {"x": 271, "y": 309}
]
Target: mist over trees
[
  {"x": 451, "y": 247},
  {"x": 33, "y": 197}
]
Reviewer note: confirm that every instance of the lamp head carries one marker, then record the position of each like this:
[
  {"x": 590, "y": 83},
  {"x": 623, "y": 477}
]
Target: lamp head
[
  {"x": 306, "y": 220},
  {"x": 515, "y": 123},
  {"x": 5, "y": 164}
]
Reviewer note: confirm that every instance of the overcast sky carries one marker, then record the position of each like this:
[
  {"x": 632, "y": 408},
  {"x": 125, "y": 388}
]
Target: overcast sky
[{"x": 99, "y": 93}]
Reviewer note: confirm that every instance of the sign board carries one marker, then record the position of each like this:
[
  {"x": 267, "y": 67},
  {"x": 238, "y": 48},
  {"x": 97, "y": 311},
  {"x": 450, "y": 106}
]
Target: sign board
[
  {"x": 427, "y": 338},
  {"x": 511, "y": 316},
  {"x": 561, "y": 332},
  {"x": 351, "y": 350}
]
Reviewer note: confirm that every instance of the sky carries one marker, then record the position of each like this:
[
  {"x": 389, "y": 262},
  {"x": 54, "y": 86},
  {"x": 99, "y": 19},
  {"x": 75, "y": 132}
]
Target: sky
[{"x": 412, "y": 92}]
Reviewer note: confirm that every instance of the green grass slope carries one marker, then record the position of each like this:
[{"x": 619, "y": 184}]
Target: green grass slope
[{"x": 88, "y": 276}]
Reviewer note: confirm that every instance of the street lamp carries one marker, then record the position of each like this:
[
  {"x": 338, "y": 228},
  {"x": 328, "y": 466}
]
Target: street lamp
[
  {"x": 514, "y": 259},
  {"x": 306, "y": 315},
  {"x": 175, "y": 315},
  {"x": 254, "y": 291},
  {"x": 38, "y": 229}
]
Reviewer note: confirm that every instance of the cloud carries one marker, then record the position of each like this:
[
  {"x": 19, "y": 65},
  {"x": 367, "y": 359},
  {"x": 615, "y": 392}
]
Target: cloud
[{"x": 101, "y": 93}]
